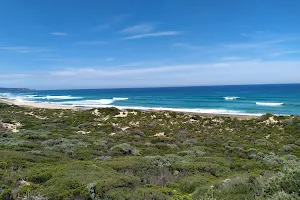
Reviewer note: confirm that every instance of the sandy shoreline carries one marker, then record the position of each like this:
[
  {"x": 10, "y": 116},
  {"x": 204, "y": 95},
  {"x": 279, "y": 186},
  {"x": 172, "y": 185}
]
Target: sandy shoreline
[
  {"x": 34, "y": 105},
  {"x": 51, "y": 106}
]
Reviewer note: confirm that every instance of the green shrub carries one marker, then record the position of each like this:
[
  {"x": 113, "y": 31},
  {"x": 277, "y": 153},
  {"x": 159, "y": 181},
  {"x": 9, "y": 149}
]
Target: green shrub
[
  {"x": 288, "y": 183},
  {"x": 192, "y": 153},
  {"x": 124, "y": 149},
  {"x": 6, "y": 194},
  {"x": 284, "y": 196}
]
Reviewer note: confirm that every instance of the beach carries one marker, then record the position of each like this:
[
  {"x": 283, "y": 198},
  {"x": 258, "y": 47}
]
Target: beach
[
  {"x": 51, "y": 106},
  {"x": 33, "y": 105}
]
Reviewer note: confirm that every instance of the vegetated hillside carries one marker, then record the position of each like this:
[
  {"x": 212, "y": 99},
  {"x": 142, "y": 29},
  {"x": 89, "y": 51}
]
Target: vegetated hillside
[{"x": 110, "y": 154}]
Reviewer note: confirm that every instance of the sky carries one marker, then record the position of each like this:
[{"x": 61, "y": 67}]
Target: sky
[{"x": 69, "y": 44}]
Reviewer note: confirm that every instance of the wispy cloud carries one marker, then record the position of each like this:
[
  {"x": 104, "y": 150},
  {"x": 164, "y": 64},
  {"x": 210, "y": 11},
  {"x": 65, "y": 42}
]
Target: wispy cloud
[
  {"x": 155, "y": 34},
  {"x": 244, "y": 34},
  {"x": 261, "y": 44},
  {"x": 109, "y": 59},
  {"x": 138, "y": 29},
  {"x": 111, "y": 23},
  {"x": 186, "y": 46},
  {"x": 284, "y": 53},
  {"x": 132, "y": 64},
  {"x": 257, "y": 33},
  {"x": 59, "y": 33},
  {"x": 102, "y": 27},
  {"x": 8, "y": 76},
  {"x": 211, "y": 73},
  {"x": 120, "y": 18},
  {"x": 232, "y": 58},
  {"x": 213, "y": 69},
  {"x": 23, "y": 49},
  {"x": 96, "y": 42},
  {"x": 95, "y": 72},
  {"x": 55, "y": 59}
]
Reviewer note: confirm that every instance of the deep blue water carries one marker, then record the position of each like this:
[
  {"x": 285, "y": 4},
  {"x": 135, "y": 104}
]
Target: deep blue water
[{"x": 243, "y": 99}]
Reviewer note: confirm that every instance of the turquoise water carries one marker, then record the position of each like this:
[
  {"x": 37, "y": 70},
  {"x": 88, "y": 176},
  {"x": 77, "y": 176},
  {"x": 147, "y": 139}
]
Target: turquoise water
[{"x": 243, "y": 99}]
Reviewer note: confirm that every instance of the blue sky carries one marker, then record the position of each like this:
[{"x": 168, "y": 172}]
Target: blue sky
[{"x": 106, "y": 44}]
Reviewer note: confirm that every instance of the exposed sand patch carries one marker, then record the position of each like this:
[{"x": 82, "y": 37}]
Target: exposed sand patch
[
  {"x": 96, "y": 112},
  {"x": 271, "y": 120},
  {"x": 134, "y": 123},
  {"x": 218, "y": 120},
  {"x": 125, "y": 128},
  {"x": 36, "y": 116},
  {"x": 83, "y": 132},
  {"x": 133, "y": 112},
  {"x": 161, "y": 134},
  {"x": 23, "y": 182},
  {"x": 226, "y": 180},
  {"x": 167, "y": 115},
  {"x": 11, "y": 127},
  {"x": 106, "y": 118},
  {"x": 122, "y": 114}
]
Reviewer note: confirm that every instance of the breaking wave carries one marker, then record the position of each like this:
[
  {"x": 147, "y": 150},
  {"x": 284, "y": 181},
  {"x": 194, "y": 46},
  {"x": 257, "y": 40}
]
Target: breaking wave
[
  {"x": 186, "y": 110},
  {"x": 268, "y": 104},
  {"x": 100, "y": 101},
  {"x": 120, "y": 99},
  {"x": 95, "y": 103},
  {"x": 7, "y": 95},
  {"x": 231, "y": 98},
  {"x": 50, "y": 97}
]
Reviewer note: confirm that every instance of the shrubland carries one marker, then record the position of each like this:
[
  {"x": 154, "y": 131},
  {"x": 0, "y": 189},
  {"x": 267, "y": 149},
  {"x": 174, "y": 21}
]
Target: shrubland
[{"x": 111, "y": 154}]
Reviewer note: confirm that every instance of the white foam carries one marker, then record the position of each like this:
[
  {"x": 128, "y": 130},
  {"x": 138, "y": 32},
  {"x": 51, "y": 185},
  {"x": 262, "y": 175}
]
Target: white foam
[
  {"x": 186, "y": 110},
  {"x": 95, "y": 103},
  {"x": 50, "y": 97},
  {"x": 22, "y": 100},
  {"x": 6, "y": 95},
  {"x": 268, "y": 104},
  {"x": 100, "y": 101},
  {"x": 13, "y": 97},
  {"x": 231, "y": 98},
  {"x": 120, "y": 99}
]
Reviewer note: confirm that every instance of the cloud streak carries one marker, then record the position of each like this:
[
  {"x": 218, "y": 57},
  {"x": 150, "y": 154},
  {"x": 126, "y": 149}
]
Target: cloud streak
[
  {"x": 155, "y": 34},
  {"x": 23, "y": 49},
  {"x": 96, "y": 72},
  {"x": 102, "y": 27},
  {"x": 11, "y": 76},
  {"x": 284, "y": 53},
  {"x": 138, "y": 29},
  {"x": 262, "y": 44},
  {"x": 186, "y": 46},
  {"x": 213, "y": 73},
  {"x": 109, "y": 59},
  {"x": 59, "y": 34},
  {"x": 96, "y": 42},
  {"x": 232, "y": 58}
]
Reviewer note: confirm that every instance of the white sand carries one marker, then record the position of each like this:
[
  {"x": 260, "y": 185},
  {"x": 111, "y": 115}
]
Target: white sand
[{"x": 34, "y": 105}]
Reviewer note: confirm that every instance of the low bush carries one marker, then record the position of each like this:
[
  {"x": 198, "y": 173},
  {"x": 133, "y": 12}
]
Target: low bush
[{"x": 124, "y": 149}]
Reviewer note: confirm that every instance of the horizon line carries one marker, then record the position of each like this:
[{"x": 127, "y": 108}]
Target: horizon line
[{"x": 153, "y": 87}]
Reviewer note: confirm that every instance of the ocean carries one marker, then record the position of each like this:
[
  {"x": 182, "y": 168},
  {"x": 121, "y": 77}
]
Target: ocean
[{"x": 283, "y": 99}]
